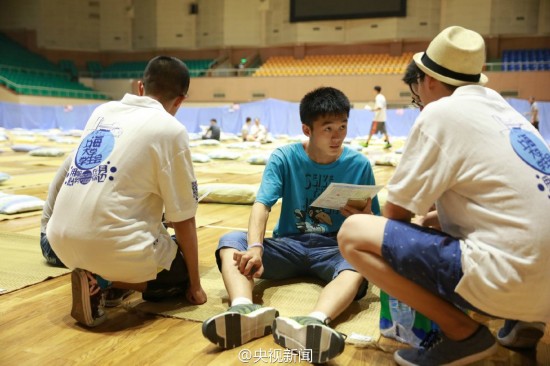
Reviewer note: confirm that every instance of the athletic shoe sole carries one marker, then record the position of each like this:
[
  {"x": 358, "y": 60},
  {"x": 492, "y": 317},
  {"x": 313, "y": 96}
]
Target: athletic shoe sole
[
  {"x": 323, "y": 342},
  {"x": 82, "y": 309},
  {"x": 230, "y": 330},
  {"x": 116, "y": 302},
  {"x": 523, "y": 335},
  {"x": 463, "y": 361}
]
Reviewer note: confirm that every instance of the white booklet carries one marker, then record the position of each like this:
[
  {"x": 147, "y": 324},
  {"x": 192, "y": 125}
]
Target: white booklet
[{"x": 336, "y": 195}]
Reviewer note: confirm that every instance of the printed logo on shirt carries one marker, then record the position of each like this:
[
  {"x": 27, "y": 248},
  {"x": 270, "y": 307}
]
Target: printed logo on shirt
[
  {"x": 314, "y": 219},
  {"x": 90, "y": 164},
  {"x": 531, "y": 149},
  {"x": 534, "y": 153}
]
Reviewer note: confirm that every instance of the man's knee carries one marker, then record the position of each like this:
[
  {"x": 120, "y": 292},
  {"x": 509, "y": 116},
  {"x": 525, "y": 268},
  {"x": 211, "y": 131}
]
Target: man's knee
[
  {"x": 361, "y": 232},
  {"x": 348, "y": 234},
  {"x": 355, "y": 279}
]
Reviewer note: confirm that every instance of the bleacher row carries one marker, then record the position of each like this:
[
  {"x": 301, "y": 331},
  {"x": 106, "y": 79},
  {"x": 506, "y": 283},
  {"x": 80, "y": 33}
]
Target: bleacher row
[
  {"x": 28, "y": 73},
  {"x": 526, "y": 60},
  {"x": 358, "y": 64}
]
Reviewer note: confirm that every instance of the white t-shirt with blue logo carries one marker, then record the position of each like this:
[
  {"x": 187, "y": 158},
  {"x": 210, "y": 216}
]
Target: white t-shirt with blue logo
[
  {"x": 488, "y": 170},
  {"x": 133, "y": 163}
]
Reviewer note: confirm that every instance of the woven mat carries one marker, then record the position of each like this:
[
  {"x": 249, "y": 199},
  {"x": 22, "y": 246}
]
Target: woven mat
[
  {"x": 290, "y": 298},
  {"x": 19, "y": 215},
  {"x": 28, "y": 180},
  {"x": 242, "y": 168},
  {"x": 21, "y": 262}
]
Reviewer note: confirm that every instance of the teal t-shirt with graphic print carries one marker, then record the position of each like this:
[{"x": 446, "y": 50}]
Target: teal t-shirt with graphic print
[{"x": 291, "y": 175}]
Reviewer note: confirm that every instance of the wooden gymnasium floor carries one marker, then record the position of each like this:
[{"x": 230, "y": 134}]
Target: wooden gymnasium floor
[{"x": 36, "y": 328}]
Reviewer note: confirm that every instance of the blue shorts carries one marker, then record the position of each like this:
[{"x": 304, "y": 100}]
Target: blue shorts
[
  {"x": 48, "y": 252},
  {"x": 294, "y": 256},
  {"x": 430, "y": 258}
]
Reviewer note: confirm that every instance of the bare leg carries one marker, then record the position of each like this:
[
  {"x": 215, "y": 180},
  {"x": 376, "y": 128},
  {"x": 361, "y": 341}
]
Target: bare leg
[
  {"x": 236, "y": 284},
  {"x": 339, "y": 293},
  {"x": 362, "y": 249}
]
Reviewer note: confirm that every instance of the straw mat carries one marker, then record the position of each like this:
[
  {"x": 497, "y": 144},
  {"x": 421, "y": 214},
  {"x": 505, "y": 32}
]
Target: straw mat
[
  {"x": 21, "y": 262},
  {"x": 290, "y": 298}
]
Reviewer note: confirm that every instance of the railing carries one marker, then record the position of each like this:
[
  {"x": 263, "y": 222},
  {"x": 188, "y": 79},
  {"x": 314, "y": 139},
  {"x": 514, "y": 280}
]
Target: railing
[
  {"x": 336, "y": 70},
  {"x": 49, "y": 91},
  {"x": 26, "y": 70}
]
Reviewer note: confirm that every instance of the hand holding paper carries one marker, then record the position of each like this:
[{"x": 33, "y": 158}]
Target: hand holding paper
[{"x": 337, "y": 195}]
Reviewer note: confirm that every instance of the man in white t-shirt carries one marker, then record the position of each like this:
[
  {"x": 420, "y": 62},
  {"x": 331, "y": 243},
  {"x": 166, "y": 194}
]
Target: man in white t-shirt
[
  {"x": 379, "y": 121},
  {"x": 534, "y": 112},
  {"x": 257, "y": 132},
  {"x": 133, "y": 163},
  {"x": 245, "y": 129},
  {"x": 487, "y": 170}
]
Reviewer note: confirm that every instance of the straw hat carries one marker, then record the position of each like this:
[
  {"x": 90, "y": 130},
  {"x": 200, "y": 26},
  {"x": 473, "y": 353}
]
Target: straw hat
[{"x": 455, "y": 56}]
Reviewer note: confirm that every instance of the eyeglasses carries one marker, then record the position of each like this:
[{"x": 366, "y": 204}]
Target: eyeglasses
[
  {"x": 416, "y": 103},
  {"x": 415, "y": 97}
]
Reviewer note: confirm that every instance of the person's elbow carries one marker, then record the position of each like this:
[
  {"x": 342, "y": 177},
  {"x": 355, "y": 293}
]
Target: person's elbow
[{"x": 396, "y": 212}]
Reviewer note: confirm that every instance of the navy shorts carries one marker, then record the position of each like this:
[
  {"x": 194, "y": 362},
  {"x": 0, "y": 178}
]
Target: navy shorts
[
  {"x": 378, "y": 126},
  {"x": 48, "y": 252},
  {"x": 430, "y": 258},
  {"x": 294, "y": 256}
]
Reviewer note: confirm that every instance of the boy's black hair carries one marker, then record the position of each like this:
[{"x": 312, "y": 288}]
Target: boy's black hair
[
  {"x": 166, "y": 78},
  {"x": 378, "y": 88},
  {"x": 412, "y": 73},
  {"x": 321, "y": 102}
]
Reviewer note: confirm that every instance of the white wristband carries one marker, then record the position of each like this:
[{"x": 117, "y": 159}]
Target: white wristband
[{"x": 256, "y": 245}]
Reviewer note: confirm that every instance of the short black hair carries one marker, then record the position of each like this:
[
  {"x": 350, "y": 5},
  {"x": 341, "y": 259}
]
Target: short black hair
[
  {"x": 166, "y": 78},
  {"x": 412, "y": 73},
  {"x": 248, "y": 119},
  {"x": 378, "y": 88},
  {"x": 321, "y": 102}
]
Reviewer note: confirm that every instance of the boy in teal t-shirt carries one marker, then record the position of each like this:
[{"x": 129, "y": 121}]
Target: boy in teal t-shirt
[{"x": 304, "y": 241}]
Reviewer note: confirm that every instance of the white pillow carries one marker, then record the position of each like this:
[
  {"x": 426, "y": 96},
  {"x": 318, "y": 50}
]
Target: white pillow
[
  {"x": 388, "y": 160},
  {"x": 24, "y": 147},
  {"x": 244, "y": 194},
  {"x": 209, "y": 142},
  {"x": 224, "y": 155},
  {"x": 17, "y": 203},
  {"x": 258, "y": 159},
  {"x": 47, "y": 151},
  {"x": 200, "y": 158},
  {"x": 4, "y": 177},
  {"x": 245, "y": 145}
]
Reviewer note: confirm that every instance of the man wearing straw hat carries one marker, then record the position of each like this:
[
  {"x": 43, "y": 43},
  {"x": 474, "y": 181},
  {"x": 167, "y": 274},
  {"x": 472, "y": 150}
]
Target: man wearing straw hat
[{"x": 487, "y": 170}]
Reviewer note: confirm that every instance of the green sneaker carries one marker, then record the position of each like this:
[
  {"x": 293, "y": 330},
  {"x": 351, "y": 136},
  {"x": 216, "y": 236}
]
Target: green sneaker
[
  {"x": 436, "y": 349},
  {"x": 387, "y": 146},
  {"x": 238, "y": 325},
  {"x": 365, "y": 144},
  {"x": 309, "y": 337}
]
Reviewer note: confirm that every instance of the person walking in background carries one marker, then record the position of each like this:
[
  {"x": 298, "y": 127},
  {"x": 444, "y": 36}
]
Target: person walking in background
[
  {"x": 534, "y": 113},
  {"x": 379, "y": 122},
  {"x": 486, "y": 169}
]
